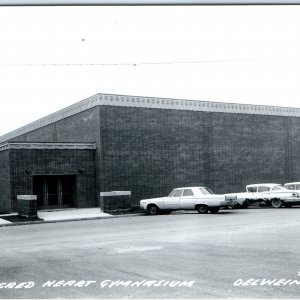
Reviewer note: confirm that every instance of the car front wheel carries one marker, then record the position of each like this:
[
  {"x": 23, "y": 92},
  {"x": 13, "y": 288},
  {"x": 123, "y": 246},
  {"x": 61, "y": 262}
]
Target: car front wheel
[
  {"x": 276, "y": 203},
  {"x": 152, "y": 210},
  {"x": 202, "y": 209}
]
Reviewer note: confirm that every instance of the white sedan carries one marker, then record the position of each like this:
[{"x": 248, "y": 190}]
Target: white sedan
[
  {"x": 189, "y": 198},
  {"x": 268, "y": 194}
]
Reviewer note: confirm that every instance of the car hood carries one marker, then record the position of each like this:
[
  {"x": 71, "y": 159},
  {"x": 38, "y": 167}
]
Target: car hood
[{"x": 153, "y": 199}]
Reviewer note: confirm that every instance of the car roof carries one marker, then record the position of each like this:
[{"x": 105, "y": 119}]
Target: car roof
[
  {"x": 263, "y": 184},
  {"x": 190, "y": 187},
  {"x": 292, "y": 183}
]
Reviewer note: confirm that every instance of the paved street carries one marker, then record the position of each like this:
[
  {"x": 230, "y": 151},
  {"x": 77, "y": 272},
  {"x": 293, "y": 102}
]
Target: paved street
[{"x": 181, "y": 255}]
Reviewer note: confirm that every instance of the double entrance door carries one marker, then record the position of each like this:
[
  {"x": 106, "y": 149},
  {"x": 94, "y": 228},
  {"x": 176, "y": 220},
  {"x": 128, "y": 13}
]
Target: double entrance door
[{"x": 54, "y": 191}]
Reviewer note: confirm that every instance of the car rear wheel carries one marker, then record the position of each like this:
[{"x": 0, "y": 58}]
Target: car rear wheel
[
  {"x": 214, "y": 210},
  {"x": 152, "y": 210},
  {"x": 202, "y": 209},
  {"x": 276, "y": 203}
]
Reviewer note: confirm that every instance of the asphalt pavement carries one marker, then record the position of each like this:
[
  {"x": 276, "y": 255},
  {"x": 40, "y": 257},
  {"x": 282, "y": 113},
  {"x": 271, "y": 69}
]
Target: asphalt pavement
[{"x": 251, "y": 253}]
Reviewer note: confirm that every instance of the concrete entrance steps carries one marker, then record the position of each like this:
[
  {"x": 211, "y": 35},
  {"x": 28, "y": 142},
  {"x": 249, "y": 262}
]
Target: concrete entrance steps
[{"x": 71, "y": 213}]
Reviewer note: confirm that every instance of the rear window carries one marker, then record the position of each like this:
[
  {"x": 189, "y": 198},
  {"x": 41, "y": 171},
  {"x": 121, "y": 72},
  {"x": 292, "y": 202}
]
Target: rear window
[
  {"x": 205, "y": 191},
  {"x": 277, "y": 188},
  {"x": 263, "y": 189}
]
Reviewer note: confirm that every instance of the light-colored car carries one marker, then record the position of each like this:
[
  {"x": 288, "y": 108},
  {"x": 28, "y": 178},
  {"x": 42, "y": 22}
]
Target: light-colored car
[
  {"x": 268, "y": 194},
  {"x": 294, "y": 186},
  {"x": 188, "y": 198}
]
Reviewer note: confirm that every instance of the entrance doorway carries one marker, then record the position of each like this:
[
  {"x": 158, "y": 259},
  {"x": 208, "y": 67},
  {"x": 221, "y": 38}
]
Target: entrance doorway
[{"x": 54, "y": 191}]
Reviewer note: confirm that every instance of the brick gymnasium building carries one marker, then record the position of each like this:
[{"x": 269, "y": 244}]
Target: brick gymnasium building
[{"x": 147, "y": 146}]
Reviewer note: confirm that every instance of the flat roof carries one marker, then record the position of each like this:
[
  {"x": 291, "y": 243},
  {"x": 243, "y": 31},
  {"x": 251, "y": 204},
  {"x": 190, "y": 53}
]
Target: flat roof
[{"x": 151, "y": 102}]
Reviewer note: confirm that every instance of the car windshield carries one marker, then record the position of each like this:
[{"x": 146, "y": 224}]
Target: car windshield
[
  {"x": 206, "y": 191},
  {"x": 175, "y": 193},
  {"x": 251, "y": 189},
  {"x": 277, "y": 188}
]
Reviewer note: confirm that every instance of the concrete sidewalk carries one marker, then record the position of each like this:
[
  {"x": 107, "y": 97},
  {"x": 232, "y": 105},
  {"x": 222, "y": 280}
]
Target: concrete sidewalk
[
  {"x": 64, "y": 214},
  {"x": 71, "y": 214},
  {"x": 2, "y": 221}
]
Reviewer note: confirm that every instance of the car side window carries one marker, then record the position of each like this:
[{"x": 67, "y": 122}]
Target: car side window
[
  {"x": 297, "y": 187},
  {"x": 263, "y": 189},
  {"x": 176, "y": 193},
  {"x": 188, "y": 192},
  {"x": 252, "y": 189},
  {"x": 289, "y": 187}
]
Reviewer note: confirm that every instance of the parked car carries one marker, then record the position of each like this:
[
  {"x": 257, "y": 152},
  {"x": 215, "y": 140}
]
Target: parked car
[
  {"x": 295, "y": 186},
  {"x": 201, "y": 199},
  {"x": 268, "y": 194}
]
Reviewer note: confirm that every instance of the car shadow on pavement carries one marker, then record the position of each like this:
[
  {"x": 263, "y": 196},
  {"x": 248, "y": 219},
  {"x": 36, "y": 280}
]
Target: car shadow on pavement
[{"x": 179, "y": 212}]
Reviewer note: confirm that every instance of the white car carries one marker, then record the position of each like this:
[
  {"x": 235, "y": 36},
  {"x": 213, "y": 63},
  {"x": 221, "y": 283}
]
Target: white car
[
  {"x": 269, "y": 194},
  {"x": 295, "y": 186},
  {"x": 188, "y": 198}
]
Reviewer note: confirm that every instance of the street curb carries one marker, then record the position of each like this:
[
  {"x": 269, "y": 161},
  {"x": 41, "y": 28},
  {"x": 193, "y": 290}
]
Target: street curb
[{"x": 71, "y": 220}]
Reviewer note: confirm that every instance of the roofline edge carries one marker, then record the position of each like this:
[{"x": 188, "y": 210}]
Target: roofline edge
[{"x": 150, "y": 102}]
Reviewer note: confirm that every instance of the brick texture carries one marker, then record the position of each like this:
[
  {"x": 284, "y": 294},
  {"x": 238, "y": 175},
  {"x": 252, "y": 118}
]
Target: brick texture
[
  {"x": 26, "y": 163},
  {"x": 27, "y": 207},
  {"x": 152, "y": 151},
  {"x": 5, "y": 196},
  {"x": 82, "y": 127},
  {"x": 112, "y": 203}
]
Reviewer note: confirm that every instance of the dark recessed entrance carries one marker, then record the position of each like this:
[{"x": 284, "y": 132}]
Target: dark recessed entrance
[{"x": 54, "y": 191}]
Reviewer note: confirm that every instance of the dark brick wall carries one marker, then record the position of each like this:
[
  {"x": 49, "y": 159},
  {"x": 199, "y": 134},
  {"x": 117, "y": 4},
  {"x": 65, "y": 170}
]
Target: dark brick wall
[
  {"x": 4, "y": 181},
  {"x": 28, "y": 162},
  {"x": 82, "y": 127},
  {"x": 294, "y": 151},
  {"x": 248, "y": 149},
  {"x": 115, "y": 203},
  {"x": 152, "y": 151}
]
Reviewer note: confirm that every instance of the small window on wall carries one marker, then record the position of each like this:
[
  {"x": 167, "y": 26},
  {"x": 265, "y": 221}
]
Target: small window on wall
[
  {"x": 252, "y": 189},
  {"x": 263, "y": 189},
  {"x": 176, "y": 193},
  {"x": 188, "y": 192}
]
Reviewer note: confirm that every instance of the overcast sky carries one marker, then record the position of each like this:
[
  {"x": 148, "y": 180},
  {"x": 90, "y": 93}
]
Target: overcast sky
[{"x": 52, "y": 57}]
